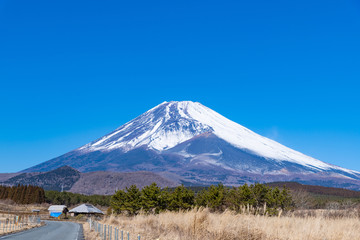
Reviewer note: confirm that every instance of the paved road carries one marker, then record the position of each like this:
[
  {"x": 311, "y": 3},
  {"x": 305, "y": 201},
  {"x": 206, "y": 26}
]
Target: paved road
[{"x": 51, "y": 231}]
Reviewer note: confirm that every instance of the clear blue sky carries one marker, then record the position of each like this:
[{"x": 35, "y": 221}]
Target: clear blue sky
[{"x": 72, "y": 71}]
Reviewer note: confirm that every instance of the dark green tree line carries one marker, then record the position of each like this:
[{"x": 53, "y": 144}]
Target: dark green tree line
[
  {"x": 23, "y": 194},
  {"x": 70, "y": 199},
  {"x": 151, "y": 199}
]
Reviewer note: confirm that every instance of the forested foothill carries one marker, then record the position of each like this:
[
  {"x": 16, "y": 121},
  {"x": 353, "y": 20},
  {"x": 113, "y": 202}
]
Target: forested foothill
[
  {"x": 28, "y": 194},
  {"x": 258, "y": 198},
  {"x": 319, "y": 197},
  {"x": 70, "y": 199}
]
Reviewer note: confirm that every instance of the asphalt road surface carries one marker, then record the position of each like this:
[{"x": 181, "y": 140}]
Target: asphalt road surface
[{"x": 51, "y": 231}]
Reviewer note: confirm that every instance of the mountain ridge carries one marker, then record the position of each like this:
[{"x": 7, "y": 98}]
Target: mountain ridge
[{"x": 198, "y": 145}]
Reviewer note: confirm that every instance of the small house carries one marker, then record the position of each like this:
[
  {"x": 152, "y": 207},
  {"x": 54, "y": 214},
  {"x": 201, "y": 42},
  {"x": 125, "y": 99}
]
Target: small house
[
  {"x": 57, "y": 210},
  {"x": 86, "y": 209}
]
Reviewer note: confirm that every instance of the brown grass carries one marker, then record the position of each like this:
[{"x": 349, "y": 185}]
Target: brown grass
[
  {"x": 8, "y": 206},
  {"x": 90, "y": 235},
  {"x": 201, "y": 224}
]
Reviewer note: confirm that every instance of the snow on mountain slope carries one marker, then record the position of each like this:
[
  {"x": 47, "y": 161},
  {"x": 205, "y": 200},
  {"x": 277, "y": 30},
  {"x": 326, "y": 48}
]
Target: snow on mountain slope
[
  {"x": 172, "y": 123},
  {"x": 159, "y": 128}
]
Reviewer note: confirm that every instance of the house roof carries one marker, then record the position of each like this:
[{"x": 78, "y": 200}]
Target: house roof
[
  {"x": 86, "y": 208},
  {"x": 56, "y": 208}
]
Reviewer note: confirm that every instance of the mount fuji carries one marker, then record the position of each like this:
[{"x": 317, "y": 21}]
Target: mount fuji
[{"x": 189, "y": 143}]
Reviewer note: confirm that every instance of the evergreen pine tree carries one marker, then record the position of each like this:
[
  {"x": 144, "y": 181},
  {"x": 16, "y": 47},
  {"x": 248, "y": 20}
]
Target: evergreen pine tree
[
  {"x": 181, "y": 199},
  {"x": 150, "y": 197},
  {"x": 132, "y": 200}
]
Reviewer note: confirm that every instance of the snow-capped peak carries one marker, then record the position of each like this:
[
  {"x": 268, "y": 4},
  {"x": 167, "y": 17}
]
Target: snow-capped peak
[
  {"x": 160, "y": 128},
  {"x": 171, "y": 123}
]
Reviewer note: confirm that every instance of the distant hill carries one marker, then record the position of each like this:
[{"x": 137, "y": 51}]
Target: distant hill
[
  {"x": 320, "y": 190},
  {"x": 63, "y": 177},
  {"x": 104, "y": 183},
  {"x": 6, "y": 176}
]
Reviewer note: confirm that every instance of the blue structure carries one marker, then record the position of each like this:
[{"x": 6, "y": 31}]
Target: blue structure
[
  {"x": 55, "y": 214},
  {"x": 57, "y": 210}
]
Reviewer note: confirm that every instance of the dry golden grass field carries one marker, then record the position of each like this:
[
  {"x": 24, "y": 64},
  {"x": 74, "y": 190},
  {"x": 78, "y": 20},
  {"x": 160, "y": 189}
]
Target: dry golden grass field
[
  {"x": 9, "y": 211},
  {"x": 8, "y": 206},
  {"x": 8, "y": 223},
  {"x": 201, "y": 224}
]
